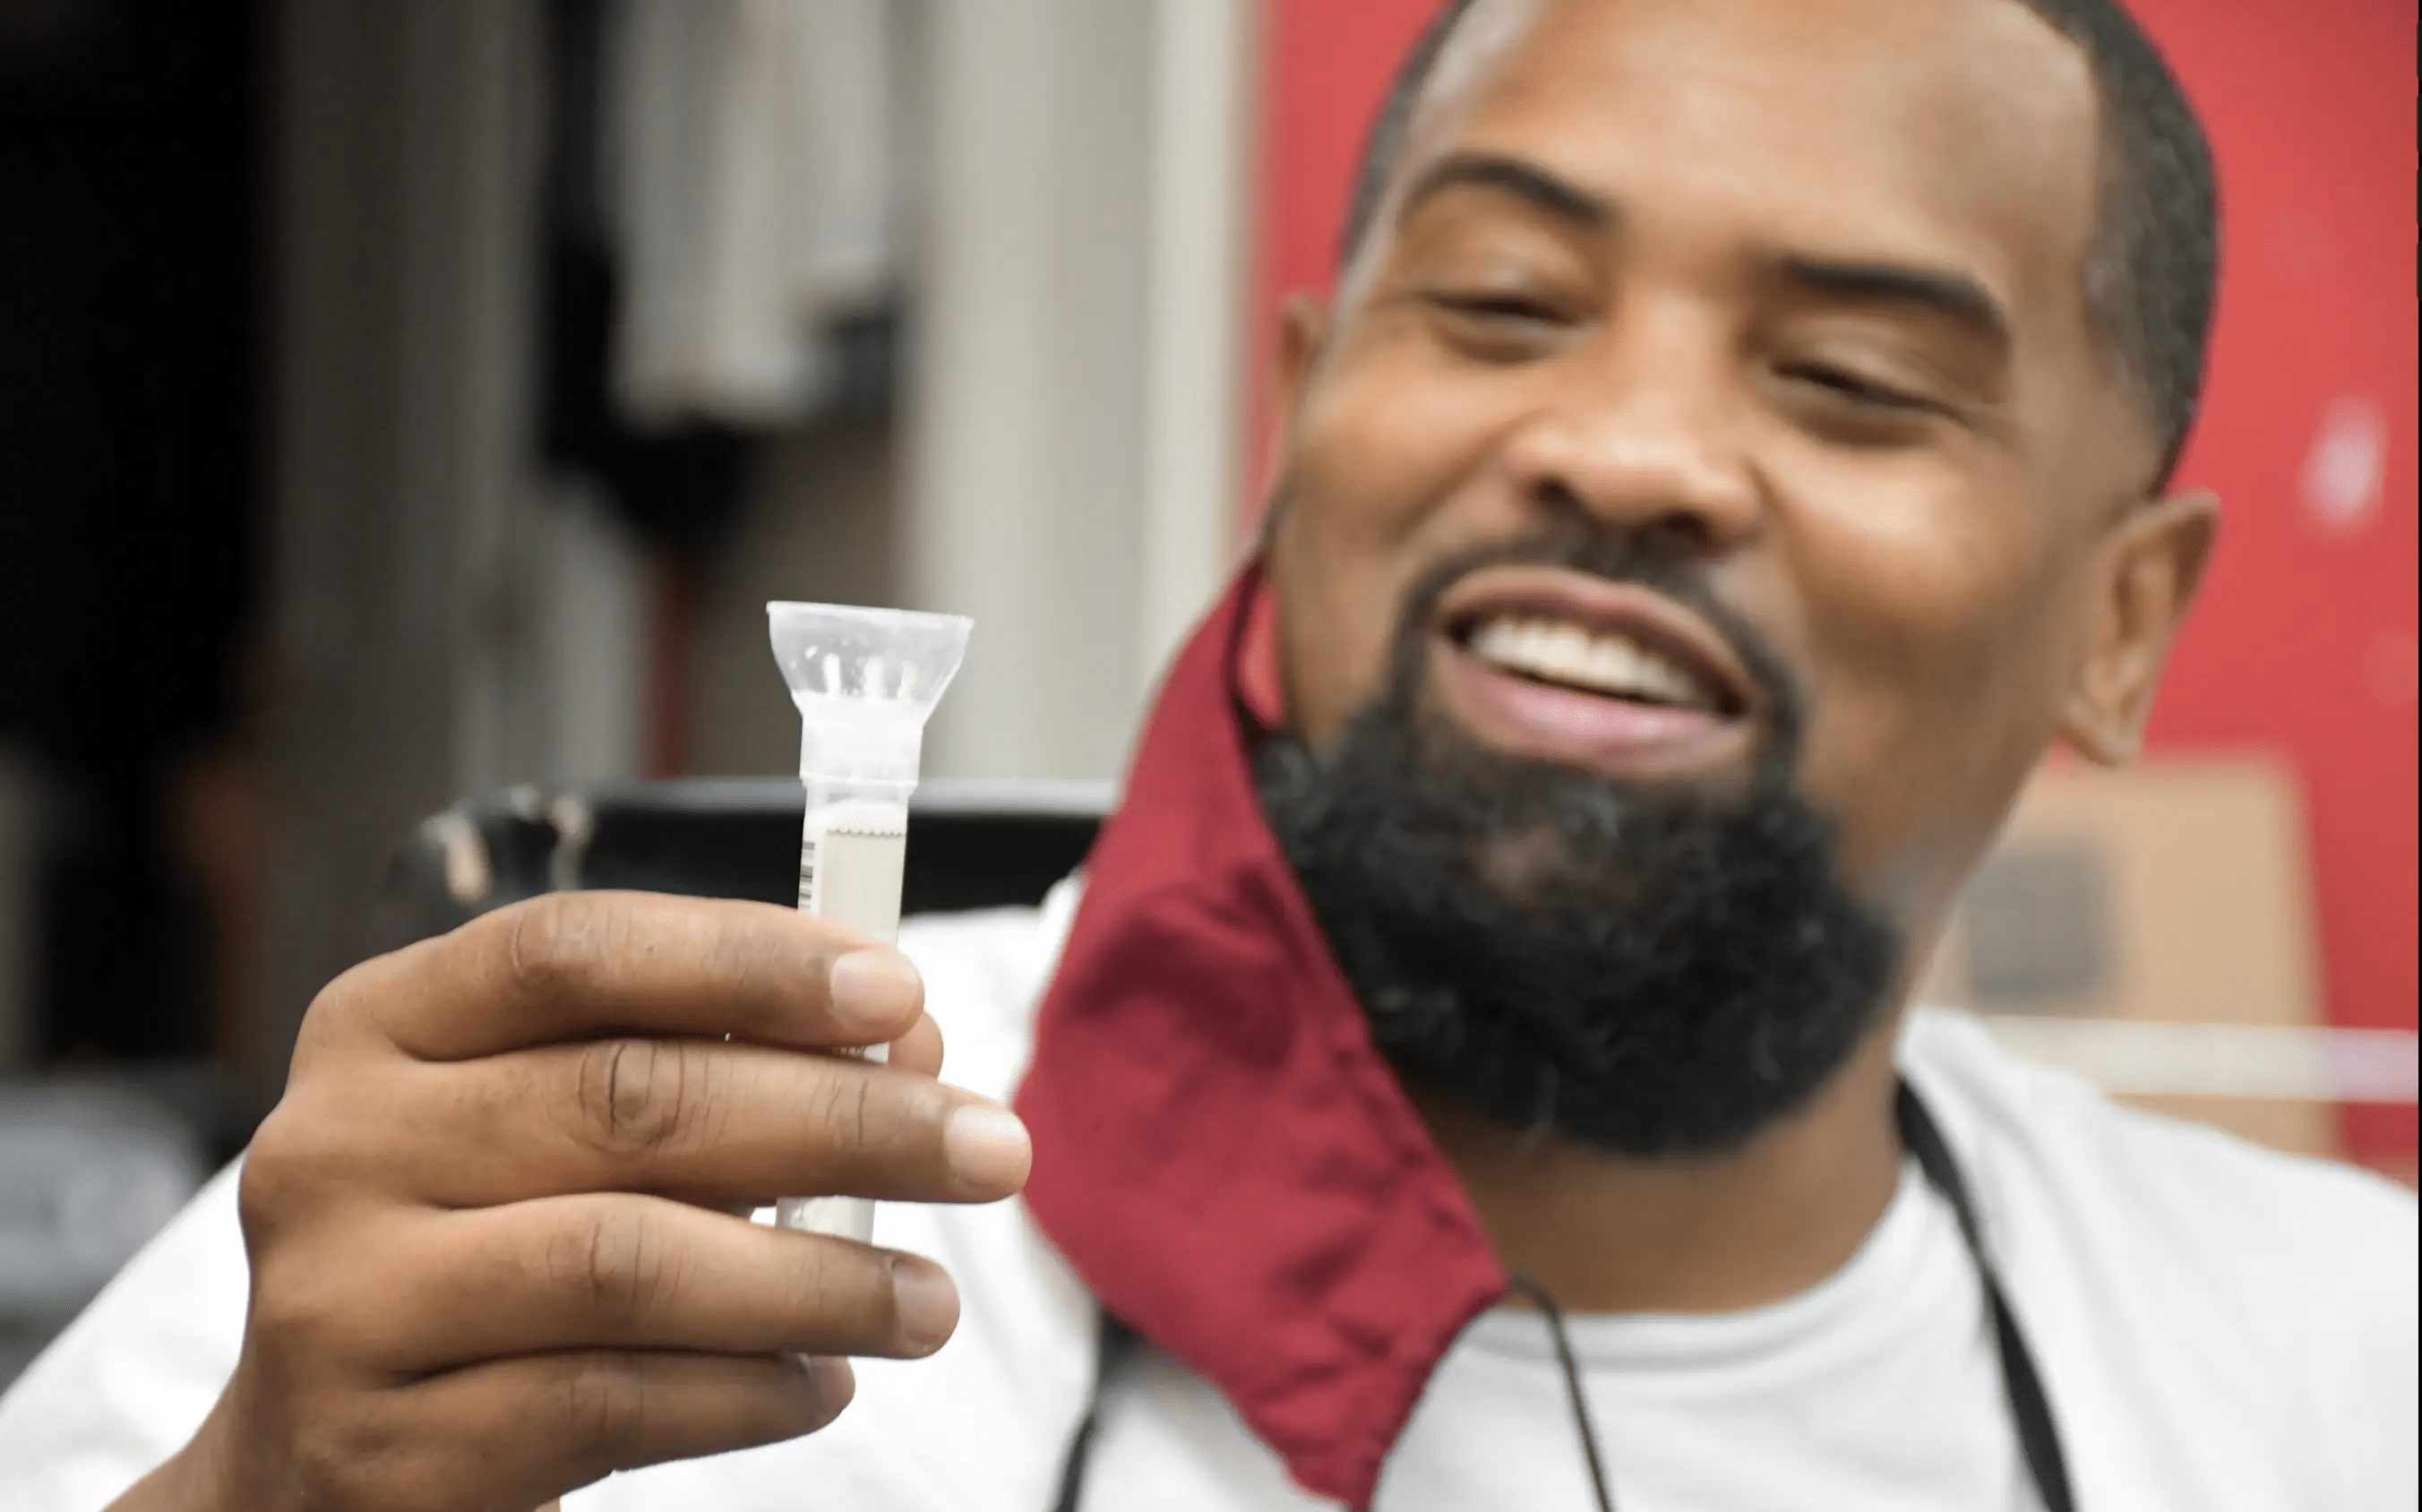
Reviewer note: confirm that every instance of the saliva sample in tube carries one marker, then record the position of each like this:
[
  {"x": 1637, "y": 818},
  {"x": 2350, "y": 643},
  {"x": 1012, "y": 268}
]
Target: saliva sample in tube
[{"x": 865, "y": 681}]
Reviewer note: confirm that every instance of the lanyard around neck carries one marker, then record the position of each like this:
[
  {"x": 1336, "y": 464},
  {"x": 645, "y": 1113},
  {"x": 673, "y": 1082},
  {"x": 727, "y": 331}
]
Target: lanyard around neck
[
  {"x": 2031, "y": 1409},
  {"x": 2021, "y": 1382}
]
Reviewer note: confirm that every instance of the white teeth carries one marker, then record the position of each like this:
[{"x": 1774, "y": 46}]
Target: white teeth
[{"x": 1558, "y": 651}]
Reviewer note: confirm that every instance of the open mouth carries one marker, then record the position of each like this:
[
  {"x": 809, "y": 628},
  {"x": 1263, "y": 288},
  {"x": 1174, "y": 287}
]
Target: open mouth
[
  {"x": 1570, "y": 666},
  {"x": 1610, "y": 663}
]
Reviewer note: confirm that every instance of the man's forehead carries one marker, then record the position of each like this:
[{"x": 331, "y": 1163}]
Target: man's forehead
[{"x": 1971, "y": 121}]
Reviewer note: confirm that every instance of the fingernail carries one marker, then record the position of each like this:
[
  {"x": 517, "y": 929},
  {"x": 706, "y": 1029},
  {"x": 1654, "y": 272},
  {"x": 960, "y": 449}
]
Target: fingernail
[
  {"x": 987, "y": 1146},
  {"x": 835, "y": 1382},
  {"x": 875, "y": 989},
  {"x": 925, "y": 1302}
]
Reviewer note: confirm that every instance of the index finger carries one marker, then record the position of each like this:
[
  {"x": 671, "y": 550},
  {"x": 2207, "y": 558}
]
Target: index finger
[{"x": 573, "y": 966}]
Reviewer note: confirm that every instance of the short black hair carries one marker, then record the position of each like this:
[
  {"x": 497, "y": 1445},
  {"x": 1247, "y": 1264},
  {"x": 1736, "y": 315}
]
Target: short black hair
[{"x": 2152, "y": 269}]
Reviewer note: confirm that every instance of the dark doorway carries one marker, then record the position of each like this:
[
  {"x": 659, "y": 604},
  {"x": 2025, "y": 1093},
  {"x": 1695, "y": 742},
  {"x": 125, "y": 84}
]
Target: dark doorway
[{"x": 129, "y": 192}]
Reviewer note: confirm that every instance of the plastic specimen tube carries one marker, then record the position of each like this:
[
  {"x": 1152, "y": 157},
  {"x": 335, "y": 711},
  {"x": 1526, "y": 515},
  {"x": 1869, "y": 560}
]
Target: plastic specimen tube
[{"x": 865, "y": 681}]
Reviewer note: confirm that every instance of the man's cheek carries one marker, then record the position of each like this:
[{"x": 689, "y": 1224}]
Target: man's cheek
[
  {"x": 1923, "y": 599},
  {"x": 1344, "y": 563},
  {"x": 1334, "y": 617},
  {"x": 1913, "y": 748},
  {"x": 1387, "y": 437}
]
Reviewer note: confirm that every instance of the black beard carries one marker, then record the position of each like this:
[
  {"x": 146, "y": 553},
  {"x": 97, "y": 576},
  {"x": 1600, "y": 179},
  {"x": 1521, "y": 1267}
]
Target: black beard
[{"x": 1654, "y": 969}]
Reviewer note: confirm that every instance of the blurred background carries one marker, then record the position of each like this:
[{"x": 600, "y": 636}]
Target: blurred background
[{"x": 403, "y": 399}]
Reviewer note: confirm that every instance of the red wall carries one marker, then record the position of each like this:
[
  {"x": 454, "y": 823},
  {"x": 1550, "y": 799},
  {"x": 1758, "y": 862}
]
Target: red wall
[{"x": 2305, "y": 641}]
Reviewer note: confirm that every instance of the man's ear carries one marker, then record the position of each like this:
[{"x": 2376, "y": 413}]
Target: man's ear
[
  {"x": 2144, "y": 581},
  {"x": 1303, "y": 328}
]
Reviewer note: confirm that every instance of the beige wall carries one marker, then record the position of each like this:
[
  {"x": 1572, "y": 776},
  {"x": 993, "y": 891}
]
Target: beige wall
[{"x": 1074, "y": 379}]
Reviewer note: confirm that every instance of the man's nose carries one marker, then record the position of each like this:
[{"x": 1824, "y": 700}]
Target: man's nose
[{"x": 1645, "y": 437}]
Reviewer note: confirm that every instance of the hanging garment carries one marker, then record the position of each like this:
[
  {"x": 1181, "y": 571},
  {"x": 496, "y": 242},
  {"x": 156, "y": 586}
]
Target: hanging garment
[{"x": 753, "y": 164}]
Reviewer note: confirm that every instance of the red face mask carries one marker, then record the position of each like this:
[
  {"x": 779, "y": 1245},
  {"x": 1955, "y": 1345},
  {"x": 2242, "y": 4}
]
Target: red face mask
[{"x": 1219, "y": 1153}]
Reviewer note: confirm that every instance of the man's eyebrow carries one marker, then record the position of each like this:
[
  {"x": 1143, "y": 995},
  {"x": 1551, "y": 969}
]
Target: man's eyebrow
[
  {"x": 1534, "y": 186},
  {"x": 1955, "y": 296}
]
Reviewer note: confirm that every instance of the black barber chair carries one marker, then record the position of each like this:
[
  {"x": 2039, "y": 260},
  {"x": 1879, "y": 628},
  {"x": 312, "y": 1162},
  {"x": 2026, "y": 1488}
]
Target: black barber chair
[{"x": 970, "y": 845}]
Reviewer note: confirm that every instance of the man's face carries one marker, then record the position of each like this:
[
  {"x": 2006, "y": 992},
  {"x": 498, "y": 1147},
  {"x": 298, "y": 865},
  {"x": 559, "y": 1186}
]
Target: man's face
[{"x": 1793, "y": 289}]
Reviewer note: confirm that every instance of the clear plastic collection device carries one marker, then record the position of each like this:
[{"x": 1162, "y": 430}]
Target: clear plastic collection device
[{"x": 865, "y": 682}]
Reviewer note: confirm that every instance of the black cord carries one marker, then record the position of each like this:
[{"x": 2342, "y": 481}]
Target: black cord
[
  {"x": 1114, "y": 1342},
  {"x": 1555, "y": 1316},
  {"x": 2021, "y": 1384}
]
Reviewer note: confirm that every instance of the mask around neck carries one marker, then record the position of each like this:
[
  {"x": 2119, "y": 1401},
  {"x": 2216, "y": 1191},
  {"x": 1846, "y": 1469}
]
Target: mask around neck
[{"x": 1219, "y": 1152}]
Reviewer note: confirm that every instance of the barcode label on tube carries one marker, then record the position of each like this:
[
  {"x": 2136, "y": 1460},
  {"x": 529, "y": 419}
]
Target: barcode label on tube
[{"x": 851, "y": 858}]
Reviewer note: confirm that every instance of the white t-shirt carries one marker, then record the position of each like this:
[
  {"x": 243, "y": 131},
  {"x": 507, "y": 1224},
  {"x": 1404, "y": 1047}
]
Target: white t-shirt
[
  {"x": 2220, "y": 1328},
  {"x": 1878, "y": 1389}
]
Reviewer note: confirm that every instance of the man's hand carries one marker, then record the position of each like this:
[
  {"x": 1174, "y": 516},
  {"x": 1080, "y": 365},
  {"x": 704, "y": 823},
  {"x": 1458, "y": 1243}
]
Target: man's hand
[{"x": 497, "y": 1227}]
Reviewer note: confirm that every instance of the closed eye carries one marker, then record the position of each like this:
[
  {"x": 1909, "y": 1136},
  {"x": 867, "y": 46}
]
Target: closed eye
[
  {"x": 1498, "y": 328},
  {"x": 1497, "y": 306},
  {"x": 1841, "y": 384}
]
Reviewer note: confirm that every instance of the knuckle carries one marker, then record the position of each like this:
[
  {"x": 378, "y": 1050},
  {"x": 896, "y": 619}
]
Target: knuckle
[
  {"x": 617, "y": 1265},
  {"x": 329, "y": 1005},
  {"x": 847, "y": 1110},
  {"x": 632, "y": 1096},
  {"x": 292, "y": 1316},
  {"x": 279, "y": 1183},
  {"x": 604, "y": 1406},
  {"x": 846, "y": 1296},
  {"x": 739, "y": 948},
  {"x": 352, "y": 1017},
  {"x": 339, "y": 1458},
  {"x": 554, "y": 944},
  {"x": 322, "y": 1458},
  {"x": 320, "y": 1143},
  {"x": 265, "y": 1188}
]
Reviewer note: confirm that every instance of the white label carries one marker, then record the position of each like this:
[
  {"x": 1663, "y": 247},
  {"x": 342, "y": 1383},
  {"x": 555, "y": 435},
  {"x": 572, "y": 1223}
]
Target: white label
[{"x": 851, "y": 859}]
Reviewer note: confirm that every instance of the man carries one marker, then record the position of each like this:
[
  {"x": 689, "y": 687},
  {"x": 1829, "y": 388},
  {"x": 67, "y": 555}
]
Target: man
[{"x": 1474, "y": 1069}]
